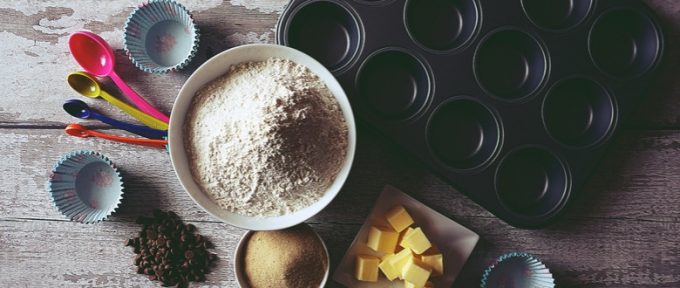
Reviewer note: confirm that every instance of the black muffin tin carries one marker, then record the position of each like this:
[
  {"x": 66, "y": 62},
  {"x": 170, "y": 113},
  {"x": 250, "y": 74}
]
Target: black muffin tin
[{"x": 511, "y": 101}]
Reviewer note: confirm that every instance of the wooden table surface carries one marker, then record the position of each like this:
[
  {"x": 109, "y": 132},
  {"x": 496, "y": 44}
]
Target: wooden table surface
[{"x": 623, "y": 232}]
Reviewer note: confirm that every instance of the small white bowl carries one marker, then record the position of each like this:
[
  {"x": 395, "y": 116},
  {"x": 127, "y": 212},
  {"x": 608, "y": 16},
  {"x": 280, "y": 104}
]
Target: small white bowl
[
  {"x": 242, "y": 279},
  {"x": 216, "y": 67}
]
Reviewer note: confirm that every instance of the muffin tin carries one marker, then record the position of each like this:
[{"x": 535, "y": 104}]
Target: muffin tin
[{"x": 511, "y": 101}]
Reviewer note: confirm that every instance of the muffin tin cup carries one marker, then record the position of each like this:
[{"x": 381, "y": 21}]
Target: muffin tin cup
[
  {"x": 511, "y": 102},
  {"x": 394, "y": 84},
  {"x": 579, "y": 112},
  {"x": 85, "y": 186},
  {"x": 464, "y": 134},
  {"x": 625, "y": 43},
  {"x": 160, "y": 36},
  {"x": 532, "y": 182},
  {"x": 557, "y": 15},
  {"x": 511, "y": 64},
  {"x": 327, "y": 30},
  {"x": 441, "y": 25}
]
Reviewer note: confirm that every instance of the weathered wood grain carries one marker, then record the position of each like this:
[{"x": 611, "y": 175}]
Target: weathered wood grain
[
  {"x": 36, "y": 34},
  {"x": 622, "y": 235},
  {"x": 595, "y": 253},
  {"x": 639, "y": 179},
  {"x": 33, "y": 42}
]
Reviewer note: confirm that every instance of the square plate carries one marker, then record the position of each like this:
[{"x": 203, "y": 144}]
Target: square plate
[{"x": 454, "y": 240}]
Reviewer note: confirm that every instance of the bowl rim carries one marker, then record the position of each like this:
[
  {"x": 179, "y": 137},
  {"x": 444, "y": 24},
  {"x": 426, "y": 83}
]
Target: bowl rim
[
  {"x": 216, "y": 67},
  {"x": 241, "y": 279}
]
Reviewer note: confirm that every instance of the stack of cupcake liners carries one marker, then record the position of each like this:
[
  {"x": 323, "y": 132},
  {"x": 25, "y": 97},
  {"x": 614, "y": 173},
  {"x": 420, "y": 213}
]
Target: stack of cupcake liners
[
  {"x": 160, "y": 36},
  {"x": 517, "y": 270},
  {"x": 85, "y": 186}
]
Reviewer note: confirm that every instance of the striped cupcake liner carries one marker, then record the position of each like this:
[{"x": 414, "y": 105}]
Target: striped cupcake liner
[
  {"x": 518, "y": 270},
  {"x": 85, "y": 186},
  {"x": 160, "y": 36}
]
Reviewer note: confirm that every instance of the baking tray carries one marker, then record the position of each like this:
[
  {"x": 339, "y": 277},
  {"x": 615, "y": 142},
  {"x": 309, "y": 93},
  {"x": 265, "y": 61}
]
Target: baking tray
[{"x": 512, "y": 102}]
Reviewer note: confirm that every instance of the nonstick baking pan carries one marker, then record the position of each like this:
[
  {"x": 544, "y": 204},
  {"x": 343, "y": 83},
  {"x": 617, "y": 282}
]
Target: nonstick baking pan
[{"x": 512, "y": 102}]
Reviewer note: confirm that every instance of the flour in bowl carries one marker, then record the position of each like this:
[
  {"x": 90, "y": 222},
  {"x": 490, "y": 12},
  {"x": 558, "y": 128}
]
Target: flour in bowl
[{"x": 266, "y": 139}]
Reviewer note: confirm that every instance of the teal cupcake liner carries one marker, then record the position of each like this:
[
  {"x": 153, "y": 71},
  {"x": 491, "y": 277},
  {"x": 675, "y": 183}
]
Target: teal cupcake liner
[
  {"x": 85, "y": 186},
  {"x": 518, "y": 270},
  {"x": 160, "y": 36}
]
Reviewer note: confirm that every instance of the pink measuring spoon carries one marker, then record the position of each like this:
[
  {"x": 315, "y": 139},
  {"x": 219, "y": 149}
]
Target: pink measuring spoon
[{"x": 96, "y": 57}]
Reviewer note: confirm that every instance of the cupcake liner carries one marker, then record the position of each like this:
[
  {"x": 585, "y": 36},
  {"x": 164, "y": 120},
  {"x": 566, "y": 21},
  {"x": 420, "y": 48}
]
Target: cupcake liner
[
  {"x": 160, "y": 36},
  {"x": 517, "y": 270},
  {"x": 85, "y": 186}
]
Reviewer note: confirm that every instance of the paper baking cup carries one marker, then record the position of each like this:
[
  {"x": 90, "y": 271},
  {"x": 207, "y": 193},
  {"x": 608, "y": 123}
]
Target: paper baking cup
[
  {"x": 517, "y": 270},
  {"x": 85, "y": 186},
  {"x": 160, "y": 36}
]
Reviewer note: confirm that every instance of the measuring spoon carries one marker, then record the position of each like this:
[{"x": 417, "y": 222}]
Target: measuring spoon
[
  {"x": 88, "y": 86},
  {"x": 78, "y": 130},
  {"x": 80, "y": 109},
  {"x": 96, "y": 56}
]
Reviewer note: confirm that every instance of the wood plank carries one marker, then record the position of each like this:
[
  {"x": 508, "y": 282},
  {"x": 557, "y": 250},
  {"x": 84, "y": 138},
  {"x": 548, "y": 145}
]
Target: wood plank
[
  {"x": 33, "y": 40},
  {"x": 622, "y": 236},
  {"x": 581, "y": 253},
  {"x": 638, "y": 179}
]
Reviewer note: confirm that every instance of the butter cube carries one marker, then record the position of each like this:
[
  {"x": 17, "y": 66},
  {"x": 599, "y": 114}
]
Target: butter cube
[
  {"x": 416, "y": 241},
  {"x": 428, "y": 284},
  {"x": 382, "y": 239},
  {"x": 386, "y": 267},
  {"x": 435, "y": 262},
  {"x": 367, "y": 268},
  {"x": 415, "y": 272},
  {"x": 410, "y": 285},
  {"x": 399, "y": 218},
  {"x": 402, "y": 234},
  {"x": 399, "y": 260}
]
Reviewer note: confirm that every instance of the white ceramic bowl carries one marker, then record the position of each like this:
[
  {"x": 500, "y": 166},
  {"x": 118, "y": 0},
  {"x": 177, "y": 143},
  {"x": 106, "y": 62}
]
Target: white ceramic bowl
[
  {"x": 217, "y": 66},
  {"x": 242, "y": 279}
]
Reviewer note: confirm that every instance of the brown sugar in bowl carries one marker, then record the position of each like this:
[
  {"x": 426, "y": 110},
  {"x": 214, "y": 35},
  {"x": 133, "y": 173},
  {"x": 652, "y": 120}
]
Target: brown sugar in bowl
[{"x": 293, "y": 257}]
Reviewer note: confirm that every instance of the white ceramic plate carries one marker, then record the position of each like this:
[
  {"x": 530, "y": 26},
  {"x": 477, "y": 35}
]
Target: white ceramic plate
[
  {"x": 240, "y": 249},
  {"x": 454, "y": 241},
  {"x": 216, "y": 67}
]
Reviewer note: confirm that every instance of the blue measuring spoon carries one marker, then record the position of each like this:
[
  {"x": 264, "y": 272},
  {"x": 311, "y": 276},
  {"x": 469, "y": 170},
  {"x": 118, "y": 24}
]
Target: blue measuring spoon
[{"x": 80, "y": 109}]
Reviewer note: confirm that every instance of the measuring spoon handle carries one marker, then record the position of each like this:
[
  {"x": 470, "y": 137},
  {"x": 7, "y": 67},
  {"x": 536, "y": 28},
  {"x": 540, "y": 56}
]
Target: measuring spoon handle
[
  {"x": 147, "y": 119},
  {"x": 137, "y": 129},
  {"x": 138, "y": 100},
  {"x": 143, "y": 142}
]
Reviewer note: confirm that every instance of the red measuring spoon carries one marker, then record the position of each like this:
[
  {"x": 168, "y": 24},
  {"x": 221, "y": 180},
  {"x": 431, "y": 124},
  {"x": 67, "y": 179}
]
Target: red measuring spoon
[
  {"x": 96, "y": 56},
  {"x": 78, "y": 130}
]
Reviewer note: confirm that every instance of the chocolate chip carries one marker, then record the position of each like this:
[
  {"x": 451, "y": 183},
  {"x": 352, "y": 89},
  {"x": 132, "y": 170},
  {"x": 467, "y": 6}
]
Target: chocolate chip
[
  {"x": 151, "y": 234},
  {"x": 170, "y": 251},
  {"x": 189, "y": 254}
]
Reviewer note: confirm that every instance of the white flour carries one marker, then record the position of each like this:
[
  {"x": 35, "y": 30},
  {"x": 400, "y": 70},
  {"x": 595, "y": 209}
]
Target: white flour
[{"x": 265, "y": 139}]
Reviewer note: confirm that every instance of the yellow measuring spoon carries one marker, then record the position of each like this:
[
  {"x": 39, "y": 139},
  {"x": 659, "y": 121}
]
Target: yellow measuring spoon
[{"x": 86, "y": 85}]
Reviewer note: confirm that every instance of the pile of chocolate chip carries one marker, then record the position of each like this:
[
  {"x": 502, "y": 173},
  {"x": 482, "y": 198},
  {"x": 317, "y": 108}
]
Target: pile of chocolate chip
[{"x": 170, "y": 251}]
